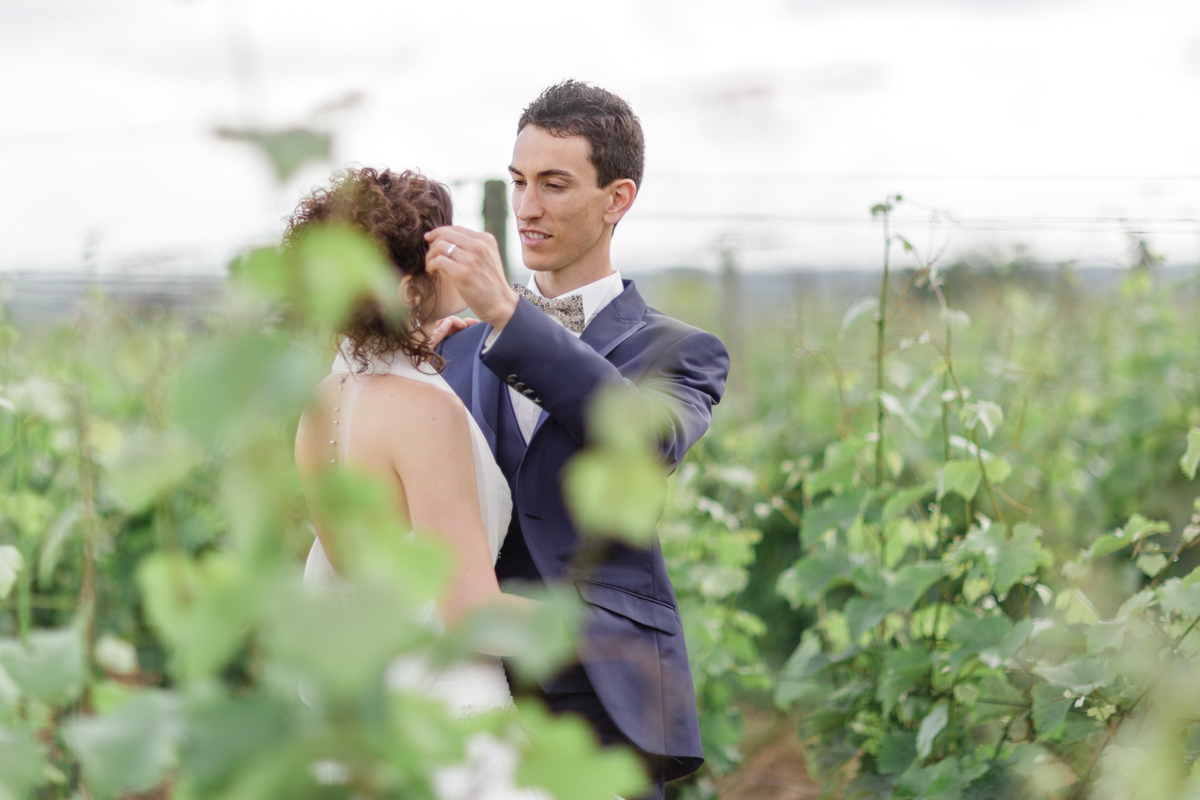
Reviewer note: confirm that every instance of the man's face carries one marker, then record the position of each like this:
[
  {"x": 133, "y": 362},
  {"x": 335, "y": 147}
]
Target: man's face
[{"x": 561, "y": 212}]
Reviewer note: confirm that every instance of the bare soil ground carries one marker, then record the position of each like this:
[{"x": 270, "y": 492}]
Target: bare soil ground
[{"x": 774, "y": 768}]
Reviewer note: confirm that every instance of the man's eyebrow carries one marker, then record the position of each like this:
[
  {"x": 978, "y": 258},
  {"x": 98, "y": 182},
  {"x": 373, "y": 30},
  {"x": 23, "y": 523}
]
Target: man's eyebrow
[{"x": 546, "y": 173}]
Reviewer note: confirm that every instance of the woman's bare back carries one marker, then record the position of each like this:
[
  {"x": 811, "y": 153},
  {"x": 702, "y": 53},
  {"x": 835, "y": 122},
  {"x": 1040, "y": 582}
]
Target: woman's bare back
[{"x": 415, "y": 436}]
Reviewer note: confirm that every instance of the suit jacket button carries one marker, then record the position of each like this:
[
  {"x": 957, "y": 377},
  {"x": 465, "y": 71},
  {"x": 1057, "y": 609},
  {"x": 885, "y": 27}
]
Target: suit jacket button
[
  {"x": 527, "y": 392},
  {"x": 520, "y": 387},
  {"x": 511, "y": 379},
  {"x": 537, "y": 400}
]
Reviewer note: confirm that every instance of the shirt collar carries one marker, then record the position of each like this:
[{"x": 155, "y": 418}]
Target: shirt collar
[{"x": 596, "y": 295}]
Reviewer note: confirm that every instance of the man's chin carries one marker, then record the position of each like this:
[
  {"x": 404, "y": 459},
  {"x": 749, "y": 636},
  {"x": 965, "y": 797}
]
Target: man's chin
[{"x": 537, "y": 262}]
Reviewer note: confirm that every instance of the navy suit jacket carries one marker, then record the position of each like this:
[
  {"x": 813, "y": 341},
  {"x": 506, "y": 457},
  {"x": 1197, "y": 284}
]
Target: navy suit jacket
[{"x": 632, "y": 649}]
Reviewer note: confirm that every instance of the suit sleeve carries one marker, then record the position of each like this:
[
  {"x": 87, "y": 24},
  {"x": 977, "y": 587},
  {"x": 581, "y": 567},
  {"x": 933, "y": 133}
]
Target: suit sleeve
[{"x": 537, "y": 356}]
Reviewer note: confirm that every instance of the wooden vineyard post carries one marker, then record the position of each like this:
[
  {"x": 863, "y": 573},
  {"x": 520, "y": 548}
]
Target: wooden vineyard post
[
  {"x": 495, "y": 217},
  {"x": 732, "y": 313}
]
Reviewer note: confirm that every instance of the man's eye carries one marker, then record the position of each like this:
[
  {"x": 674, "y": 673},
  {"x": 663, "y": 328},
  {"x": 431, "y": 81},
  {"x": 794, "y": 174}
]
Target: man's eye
[
  {"x": 554, "y": 186},
  {"x": 517, "y": 182}
]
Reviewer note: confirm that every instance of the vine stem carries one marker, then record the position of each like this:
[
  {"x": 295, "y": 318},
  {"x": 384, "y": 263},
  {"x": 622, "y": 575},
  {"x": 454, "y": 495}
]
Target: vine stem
[
  {"x": 1085, "y": 778},
  {"x": 987, "y": 482},
  {"x": 938, "y": 524},
  {"x": 882, "y": 327},
  {"x": 953, "y": 374},
  {"x": 25, "y": 579},
  {"x": 88, "y": 524},
  {"x": 1003, "y": 737},
  {"x": 843, "y": 426},
  {"x": 1178, "y": 641},
  {"x": 1179, "y": 548},
  {"x": 87, "y": 519},
  {"x": 943, "y": 292}
]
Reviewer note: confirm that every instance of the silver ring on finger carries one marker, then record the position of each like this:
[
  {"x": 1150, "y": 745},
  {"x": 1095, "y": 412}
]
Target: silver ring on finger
[{"x": 450, "y": 252}]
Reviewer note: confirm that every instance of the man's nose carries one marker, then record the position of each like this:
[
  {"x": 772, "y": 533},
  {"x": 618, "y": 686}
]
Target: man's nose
[{"x": 526, "y": 204}]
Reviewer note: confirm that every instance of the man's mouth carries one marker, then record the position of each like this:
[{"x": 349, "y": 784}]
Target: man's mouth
[{"x": 533, "y": 238}]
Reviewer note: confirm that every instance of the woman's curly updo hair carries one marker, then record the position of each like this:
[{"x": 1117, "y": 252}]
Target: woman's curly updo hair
[{"x": 395, "y": 210}]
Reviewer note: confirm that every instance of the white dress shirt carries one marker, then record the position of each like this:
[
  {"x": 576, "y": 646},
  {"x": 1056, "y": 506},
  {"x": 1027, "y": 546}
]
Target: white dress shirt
[{"x": 596, "y": 296}]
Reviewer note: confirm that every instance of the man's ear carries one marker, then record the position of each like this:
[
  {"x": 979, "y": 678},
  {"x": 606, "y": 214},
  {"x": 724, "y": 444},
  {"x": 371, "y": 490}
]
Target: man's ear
[{"x": 621, "y": 193}]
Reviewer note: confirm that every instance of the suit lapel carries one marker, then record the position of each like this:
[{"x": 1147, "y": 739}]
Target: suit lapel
[
  {"x": 616, "y": 322},
  {"x": 613, "y": 324}
]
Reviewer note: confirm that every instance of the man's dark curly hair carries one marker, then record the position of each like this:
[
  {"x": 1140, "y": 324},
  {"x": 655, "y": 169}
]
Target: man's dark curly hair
[
  {"x": 573, "y": 108},
  {"x": 395, "y": 210}
]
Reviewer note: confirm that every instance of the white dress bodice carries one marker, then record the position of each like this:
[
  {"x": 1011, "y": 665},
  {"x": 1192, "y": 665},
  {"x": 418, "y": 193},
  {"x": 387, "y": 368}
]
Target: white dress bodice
[{"x": 466, "y": 686}]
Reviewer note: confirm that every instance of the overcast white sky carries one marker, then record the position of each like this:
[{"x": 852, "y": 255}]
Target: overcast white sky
[{"x": 772, "y": 125}]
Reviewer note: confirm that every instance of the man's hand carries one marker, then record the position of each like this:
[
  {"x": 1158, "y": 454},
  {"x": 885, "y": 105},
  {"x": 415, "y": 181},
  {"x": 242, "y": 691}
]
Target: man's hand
[
  {"x": 471, "y": 260},
  {"x": 448, "y": 327}
]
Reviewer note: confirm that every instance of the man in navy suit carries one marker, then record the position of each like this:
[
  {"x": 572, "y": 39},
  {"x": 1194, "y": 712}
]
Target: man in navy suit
[{"x": 528, "y": 374}]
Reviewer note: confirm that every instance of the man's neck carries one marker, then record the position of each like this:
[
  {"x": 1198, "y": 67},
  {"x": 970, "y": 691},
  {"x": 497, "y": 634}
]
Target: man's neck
[{"x": 555, "y": 283}]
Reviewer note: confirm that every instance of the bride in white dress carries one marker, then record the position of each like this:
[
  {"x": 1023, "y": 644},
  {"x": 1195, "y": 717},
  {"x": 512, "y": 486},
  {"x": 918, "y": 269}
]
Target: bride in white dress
[{"x": 385, "y": 410}]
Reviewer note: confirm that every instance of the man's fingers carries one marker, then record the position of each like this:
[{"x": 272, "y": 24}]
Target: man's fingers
[
  {"x": 457, "y": 235},
  {"x": 448, "y": 230},
  {"x": 443, "y": 248},
  {"x": 449, "y": 238},
  {"x": 471, "y": 261},
  {"x": 437, "y": 262}
]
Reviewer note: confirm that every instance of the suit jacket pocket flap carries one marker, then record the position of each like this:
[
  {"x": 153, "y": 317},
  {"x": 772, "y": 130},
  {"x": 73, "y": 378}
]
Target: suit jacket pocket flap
[{"x": 640, "y": 609}]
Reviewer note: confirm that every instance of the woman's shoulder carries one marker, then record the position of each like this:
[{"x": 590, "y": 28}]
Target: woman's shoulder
[
  {"x": 393, "y": 388},
  {"x": 409, "y": 406}
]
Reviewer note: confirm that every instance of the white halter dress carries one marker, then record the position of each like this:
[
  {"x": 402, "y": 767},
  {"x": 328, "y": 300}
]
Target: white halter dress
[{"x": 467, "y": 687}]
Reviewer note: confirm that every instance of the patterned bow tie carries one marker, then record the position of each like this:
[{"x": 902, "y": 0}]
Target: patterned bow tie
[{"x": 567, "y": 310}]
